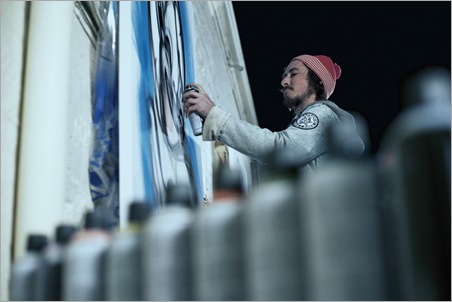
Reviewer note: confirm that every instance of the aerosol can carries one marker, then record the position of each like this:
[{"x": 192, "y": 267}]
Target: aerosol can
[
  {"x": 24, "y": 271},
  {"x": 195, "y": 120},
  {"x": 50, "y": 272},
  {"x": 123, "y": 260},
  {"x": 83, "y": 273},
  {"x": 217, "y": 245},
  {"x": 341, "y": 226},
  {"x": 166, "y": 250},
  {"x": 271, "y": 236}
]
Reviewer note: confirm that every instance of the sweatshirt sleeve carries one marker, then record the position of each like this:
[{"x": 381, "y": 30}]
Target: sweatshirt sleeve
[{"x": 307, "y": 141}]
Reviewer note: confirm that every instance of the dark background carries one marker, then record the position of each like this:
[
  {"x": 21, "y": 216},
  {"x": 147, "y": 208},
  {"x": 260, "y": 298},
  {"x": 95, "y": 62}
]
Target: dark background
[{"x": 375, "y": 43}]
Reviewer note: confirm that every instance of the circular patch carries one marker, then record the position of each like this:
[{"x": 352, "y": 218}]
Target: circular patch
[{"x": 306, "y": 121}]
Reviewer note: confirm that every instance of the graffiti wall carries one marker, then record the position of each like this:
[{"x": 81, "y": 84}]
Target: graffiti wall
[
  {"x": 104, "y": 157},
  {"x": 157, "y": 144},
  {"x": 126, "y": 63}
]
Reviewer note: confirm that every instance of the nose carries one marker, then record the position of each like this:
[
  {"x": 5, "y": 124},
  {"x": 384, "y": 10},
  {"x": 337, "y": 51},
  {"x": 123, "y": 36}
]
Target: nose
[{"x": 285, "y": 81}]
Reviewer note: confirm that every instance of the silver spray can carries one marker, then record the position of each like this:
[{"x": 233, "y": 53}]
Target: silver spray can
[
  {"x": 166, "y": 255},
  {"x": 123, "y": 259},
  {"x": 50, "y": 273},
  {"x": 195, "y": 119},
  {"x": 217, "y": 242},
  {"x": 24, "y": 272},
  {"x": 84, "y": 260}
]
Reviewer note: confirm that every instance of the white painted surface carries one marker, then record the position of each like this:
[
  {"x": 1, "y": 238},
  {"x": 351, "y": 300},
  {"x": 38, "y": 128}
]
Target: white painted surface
[
  {"x": 72, "y": 123},
  {"x": 221, "y": 70},
  {"x": 42, "y": 153},
  {"x": 12, "y": 20},
  {"x": 79, "y": 126}
]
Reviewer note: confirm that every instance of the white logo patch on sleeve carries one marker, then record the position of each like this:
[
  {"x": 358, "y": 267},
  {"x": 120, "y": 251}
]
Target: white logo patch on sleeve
[{"x": 306, "y": 121}]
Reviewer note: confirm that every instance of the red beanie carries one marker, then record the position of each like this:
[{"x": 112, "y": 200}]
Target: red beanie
[{"x": 324, "y": 68}]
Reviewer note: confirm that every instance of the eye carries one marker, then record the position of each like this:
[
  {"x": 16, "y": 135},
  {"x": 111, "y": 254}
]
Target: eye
[{"x": 291, "y": 73}]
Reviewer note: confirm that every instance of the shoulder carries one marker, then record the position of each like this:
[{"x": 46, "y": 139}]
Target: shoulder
[
  {"x": 317, "y": 114},
  {"x": 322, "y": 108}
]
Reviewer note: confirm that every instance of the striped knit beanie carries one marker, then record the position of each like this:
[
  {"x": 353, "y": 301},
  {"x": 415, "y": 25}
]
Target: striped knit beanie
[{"x": 324, "y": 68}]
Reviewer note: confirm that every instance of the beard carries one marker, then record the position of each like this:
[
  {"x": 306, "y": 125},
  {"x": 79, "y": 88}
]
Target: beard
[{"x": 292, "y": 103}]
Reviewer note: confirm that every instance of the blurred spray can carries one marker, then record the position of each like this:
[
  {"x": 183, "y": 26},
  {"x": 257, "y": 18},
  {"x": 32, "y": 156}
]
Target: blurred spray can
[
  {"x": 50, "y": 272},
  {"x": 166, "y": 250},
  {"x": 123, "y": 259},
  {"x": 415, "y": 160},
  {"x": 83, "y": 260},
  {"x": 195, "y": 119},
  {"x": 341, "y": 231},
  {"x": 24, "y": 272},
  {"x": 271, "y": 230},
  {"x": 217, "y": 245}
]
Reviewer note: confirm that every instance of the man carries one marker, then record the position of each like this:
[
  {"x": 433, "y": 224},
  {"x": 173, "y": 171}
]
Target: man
[{"x": 308, "y": 81}]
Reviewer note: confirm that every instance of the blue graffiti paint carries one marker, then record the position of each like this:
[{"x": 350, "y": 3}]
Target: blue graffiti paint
[
  {"x": 104, "y": 159},
  {"x": 190, "y": 77},
  {"x": 166, "y": 138},
  {"x": 140, "y": 20}
]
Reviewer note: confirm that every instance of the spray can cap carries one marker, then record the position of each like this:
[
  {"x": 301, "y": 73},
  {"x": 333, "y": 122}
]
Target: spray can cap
[
  {"x": 139, "y": 211},
  {"x": 179, "y": 194},
  {"x": 96, "y": 219},
  {"x": 36, "y": 242},
  {"x": 229, "y": 179},
  {"x": 64, "y": 233}
]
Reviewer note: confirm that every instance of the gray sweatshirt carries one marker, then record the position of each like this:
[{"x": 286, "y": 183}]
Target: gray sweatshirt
[{"x": 306, "y": 135}]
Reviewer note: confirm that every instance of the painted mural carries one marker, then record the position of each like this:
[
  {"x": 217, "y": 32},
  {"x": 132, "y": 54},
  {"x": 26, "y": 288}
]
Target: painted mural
[
  {"x": 104, "y": 158},
  {"x": 164, "y": 49},
  {"x": 163, "y": 147},
  {"x": 163, "y": 45}
]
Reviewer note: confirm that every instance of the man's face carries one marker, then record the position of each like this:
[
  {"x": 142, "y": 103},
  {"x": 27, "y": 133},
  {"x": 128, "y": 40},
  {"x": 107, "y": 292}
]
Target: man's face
[{"x": 295, "y": 84}]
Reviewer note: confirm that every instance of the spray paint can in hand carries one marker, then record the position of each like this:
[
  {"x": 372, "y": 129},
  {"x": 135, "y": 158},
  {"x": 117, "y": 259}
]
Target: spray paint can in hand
[{"x": 195, "y": 119}]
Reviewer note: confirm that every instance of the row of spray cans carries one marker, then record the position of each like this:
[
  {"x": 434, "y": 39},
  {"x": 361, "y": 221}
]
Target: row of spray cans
[
  {"x": 358, "y": 228},
  {"x": 152, "y": 259},
  {"x": 258, "y": 247}
]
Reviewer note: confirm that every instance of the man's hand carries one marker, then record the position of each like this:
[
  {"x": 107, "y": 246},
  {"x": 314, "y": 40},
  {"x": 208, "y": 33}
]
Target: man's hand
[{"x": 197, "y": 101}]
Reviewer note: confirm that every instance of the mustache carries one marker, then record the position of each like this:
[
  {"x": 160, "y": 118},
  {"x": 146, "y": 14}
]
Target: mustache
[{"x": 284, "y": 89}]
